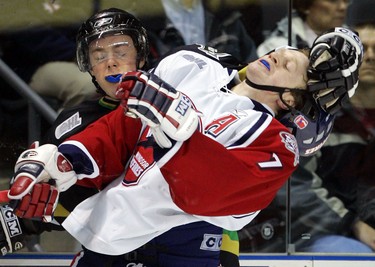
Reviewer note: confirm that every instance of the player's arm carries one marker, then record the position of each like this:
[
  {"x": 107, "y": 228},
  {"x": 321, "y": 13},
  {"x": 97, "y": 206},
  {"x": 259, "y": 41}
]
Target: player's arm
[
  {"x": 169, "y": 113},
  {"x": 103, "y": 148},
  {"x": 94, "y": 157}
]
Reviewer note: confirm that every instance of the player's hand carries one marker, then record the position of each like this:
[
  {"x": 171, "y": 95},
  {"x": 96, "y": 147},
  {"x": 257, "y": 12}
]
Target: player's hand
[
  {"x": 11, "y": 233},
  {"x": 168, "y": 112},
  {"x": 40, "y": 174},
  {"x": 364, "y": 233},
  {"x": 335, "y": 58},
  {"x": 40, "y": 202}
]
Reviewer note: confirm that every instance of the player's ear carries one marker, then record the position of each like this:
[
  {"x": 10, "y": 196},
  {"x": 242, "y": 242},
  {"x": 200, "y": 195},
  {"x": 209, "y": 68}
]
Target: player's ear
[
  {"x": 142, "y": 63},
  {"x": 288, "y": 98}
]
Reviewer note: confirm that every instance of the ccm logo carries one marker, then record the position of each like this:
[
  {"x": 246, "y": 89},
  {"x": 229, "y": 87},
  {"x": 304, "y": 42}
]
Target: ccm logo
[
  {"x": 211, "y": 242},
  {"x": 12, "y": 223},
  {"x": 183, "y": 105}
]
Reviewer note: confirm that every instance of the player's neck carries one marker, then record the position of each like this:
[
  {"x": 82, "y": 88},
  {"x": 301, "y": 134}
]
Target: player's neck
[{"x": 265, "y": 97}]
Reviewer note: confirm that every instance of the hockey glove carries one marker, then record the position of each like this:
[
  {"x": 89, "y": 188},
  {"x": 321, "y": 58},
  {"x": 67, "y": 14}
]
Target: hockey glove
[
  {"x": 11, "y": 235},
  {"x": 335, "y": 58},
  {"x": 168, "y": 112},
  {"x": 40, "y": 174}
]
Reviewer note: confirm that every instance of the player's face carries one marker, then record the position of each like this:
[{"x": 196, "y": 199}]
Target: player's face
[
  {"x": 367, "y": 69},
  {"x": 111, "y": 56},
  {"x": 282, "y": 68}
]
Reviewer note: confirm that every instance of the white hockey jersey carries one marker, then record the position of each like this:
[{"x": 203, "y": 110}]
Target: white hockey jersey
[{"x": 224, "y": 174}]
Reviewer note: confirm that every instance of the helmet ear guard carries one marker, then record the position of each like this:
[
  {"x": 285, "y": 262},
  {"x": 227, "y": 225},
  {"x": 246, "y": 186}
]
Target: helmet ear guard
[
  {"x": 311, "y": 126},
  {"x": 309, "y": 123}
]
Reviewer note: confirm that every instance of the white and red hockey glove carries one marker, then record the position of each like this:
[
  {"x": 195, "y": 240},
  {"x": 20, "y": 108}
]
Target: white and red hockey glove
[
  {"x": 40, "y": 174},
  {"x": 168, "y": 112}
]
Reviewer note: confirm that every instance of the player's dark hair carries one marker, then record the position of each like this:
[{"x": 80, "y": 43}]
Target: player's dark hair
[{"x": 301, "y": 6}]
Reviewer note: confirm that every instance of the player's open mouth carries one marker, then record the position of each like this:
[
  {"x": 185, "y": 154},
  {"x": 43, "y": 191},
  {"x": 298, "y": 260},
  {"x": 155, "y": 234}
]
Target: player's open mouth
[
  {"x": 113, "y": 78},
  {"x": 265, "y": 63}
]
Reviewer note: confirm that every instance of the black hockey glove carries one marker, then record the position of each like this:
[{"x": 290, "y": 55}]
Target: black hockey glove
[
  {"x": 166, "y": 111},
  {"x": 335, "y": 58},
  {"x": 11, "y": 234}
]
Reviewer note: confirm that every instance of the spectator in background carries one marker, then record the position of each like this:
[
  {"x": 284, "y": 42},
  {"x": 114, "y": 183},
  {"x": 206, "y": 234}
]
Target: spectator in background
[
  {"x": 190, "y": 22},
  {"x": 358, "y": 122},
  {"x": 345, "y": 165},
  {"x": 44, "y": 58},
  {"x": 309, "y": 19}
]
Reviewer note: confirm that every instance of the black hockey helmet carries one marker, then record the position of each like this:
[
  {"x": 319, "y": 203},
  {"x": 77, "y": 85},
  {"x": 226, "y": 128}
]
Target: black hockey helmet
[{"x": 108, "y": 22}]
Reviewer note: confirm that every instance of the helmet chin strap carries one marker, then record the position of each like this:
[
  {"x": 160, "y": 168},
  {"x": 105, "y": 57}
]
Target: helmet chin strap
[
  {"x": 266, "y": 87},
  {"x": 272, "y": 88}
]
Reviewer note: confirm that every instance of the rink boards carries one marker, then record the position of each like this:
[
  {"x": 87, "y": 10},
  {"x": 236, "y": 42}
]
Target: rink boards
[{"x": 248, "y": 260}]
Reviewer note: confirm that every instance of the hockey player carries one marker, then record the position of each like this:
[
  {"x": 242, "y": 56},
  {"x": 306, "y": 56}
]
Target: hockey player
[
  {"x": 74, "y": 120},
  {"x": 178, "y": 180}
]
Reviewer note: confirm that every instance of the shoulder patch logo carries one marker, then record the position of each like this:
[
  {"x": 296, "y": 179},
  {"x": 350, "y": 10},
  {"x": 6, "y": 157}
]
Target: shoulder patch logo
[
  {"x": 291, "y": 144},
  {"x": 68, "y": 125},
  {"x": 212, "y": 52}
]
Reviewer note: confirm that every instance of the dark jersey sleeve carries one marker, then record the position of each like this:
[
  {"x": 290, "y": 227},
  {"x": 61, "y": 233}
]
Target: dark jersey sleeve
[
  {"x": 73, "y": 120},
  {"x": 70, "y": 122}
]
